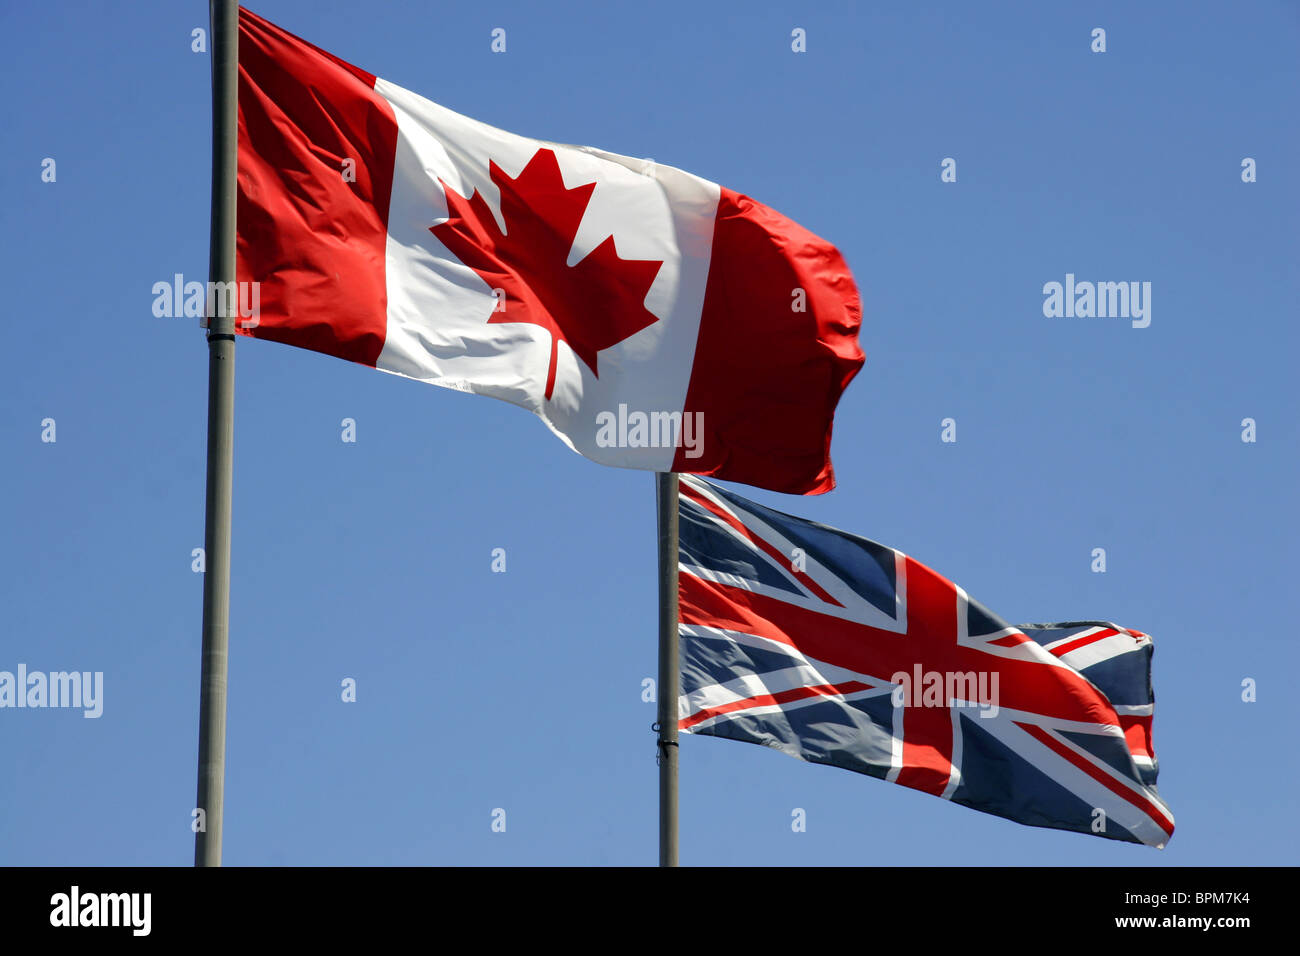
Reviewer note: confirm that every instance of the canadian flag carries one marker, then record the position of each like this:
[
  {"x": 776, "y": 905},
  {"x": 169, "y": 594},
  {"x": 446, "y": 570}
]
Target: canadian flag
[{"x": 650, "y": 318}]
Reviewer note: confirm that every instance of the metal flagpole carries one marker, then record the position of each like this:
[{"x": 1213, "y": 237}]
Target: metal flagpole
[
  {"x": 224, "y": 34},
  {"x": 669, "y": 685}
]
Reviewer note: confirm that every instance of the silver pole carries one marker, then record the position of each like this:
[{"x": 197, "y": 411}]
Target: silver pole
[
  {"x": 669, "y": 686},
  {"x": 224, "y": 34}
]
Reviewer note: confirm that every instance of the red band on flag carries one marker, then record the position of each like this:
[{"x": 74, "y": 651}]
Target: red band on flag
[
  {"x": 316, "y": 149},
  {"x": 778, "y": 345}
]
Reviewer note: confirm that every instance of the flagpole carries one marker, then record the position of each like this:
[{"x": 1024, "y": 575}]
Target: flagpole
[
  {"x": 669, "y": 684},
  {"x": 224, "y": 34}
]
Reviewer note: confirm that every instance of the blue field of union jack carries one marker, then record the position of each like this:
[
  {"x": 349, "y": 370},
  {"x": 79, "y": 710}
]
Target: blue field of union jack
[{"x": 838, "y": 650}]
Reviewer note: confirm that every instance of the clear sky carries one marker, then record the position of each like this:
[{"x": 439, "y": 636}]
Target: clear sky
[{"x": 523, "y": 691}]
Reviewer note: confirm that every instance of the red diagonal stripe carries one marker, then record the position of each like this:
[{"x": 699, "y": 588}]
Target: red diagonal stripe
[
  {"x": 1011, "y": 640},
  {"x": 762, "y": 700},
  {"x": 781, "y": 559},
  {"x": 1139, "y": 801},
  {"x": 1084, "y": 641}
]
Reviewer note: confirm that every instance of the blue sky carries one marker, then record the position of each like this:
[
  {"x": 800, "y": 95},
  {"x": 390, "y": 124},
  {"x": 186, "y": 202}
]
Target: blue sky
[{"x": 522, "y": 690}]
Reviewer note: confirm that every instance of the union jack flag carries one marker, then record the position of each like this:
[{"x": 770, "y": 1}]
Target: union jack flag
[{"x": 838, "y": 650}]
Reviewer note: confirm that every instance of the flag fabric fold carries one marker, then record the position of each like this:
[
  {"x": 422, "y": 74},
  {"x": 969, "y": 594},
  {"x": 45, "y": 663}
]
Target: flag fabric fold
[
  {"x": 652, "y": 319},
  {"x": 838, "y": 650}
]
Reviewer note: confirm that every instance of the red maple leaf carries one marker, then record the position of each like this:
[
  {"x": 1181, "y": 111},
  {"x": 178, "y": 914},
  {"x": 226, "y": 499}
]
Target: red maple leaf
[{"x": 592, "y": 305}]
